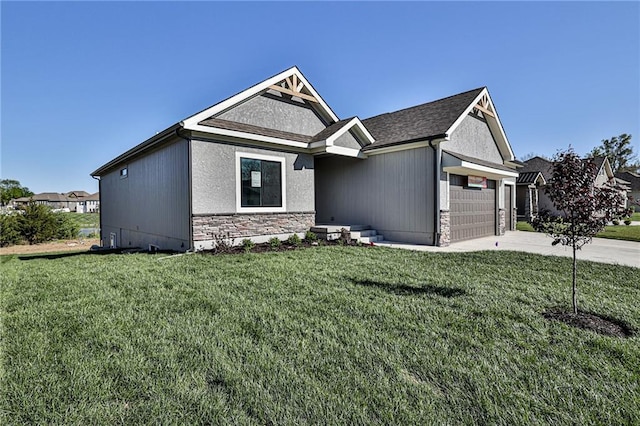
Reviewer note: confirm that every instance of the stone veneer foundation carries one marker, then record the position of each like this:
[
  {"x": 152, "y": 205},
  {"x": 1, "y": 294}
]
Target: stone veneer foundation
[
  {"x": 502, "y": 221},
  {"x": 445, "y": 228},
  {"x": 246, "y": 225}
]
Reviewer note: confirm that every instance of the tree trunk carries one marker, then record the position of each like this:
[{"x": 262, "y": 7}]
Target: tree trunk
[{"x": 574, "y": 284}]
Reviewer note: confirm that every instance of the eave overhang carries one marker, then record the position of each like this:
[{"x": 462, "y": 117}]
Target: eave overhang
[{"x": 458, "y": 166}]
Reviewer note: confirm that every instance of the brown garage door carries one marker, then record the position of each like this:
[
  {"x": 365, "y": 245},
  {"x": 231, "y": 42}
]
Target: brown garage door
[
  {"x": 473, "y": 211},
  {"x": 508, "y": 208}
]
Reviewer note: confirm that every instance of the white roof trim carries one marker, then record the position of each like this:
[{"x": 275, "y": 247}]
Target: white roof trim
[
  {"x": 502, "y": 141},
  {"x": 355, "y": 122},
  {"x": 457, "y": 166},
  {"x": 339, "y": 150},
  {"x": 254, "y": 90}
]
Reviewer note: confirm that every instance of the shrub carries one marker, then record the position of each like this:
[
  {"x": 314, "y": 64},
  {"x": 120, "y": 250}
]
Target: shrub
[
  {"x": 248, "y": 245},
  {"x": 615, "y": 222},
  {"x": 65, "y": 227},
  {"x": 294, "y": 240},
  {"x": 627, "y": 222},
  {"x": 274, "y": 242},
  {"x": 310, "y": 236},
  {"x": 37, "y": 224},
  {"x": 9, "y": 230}
]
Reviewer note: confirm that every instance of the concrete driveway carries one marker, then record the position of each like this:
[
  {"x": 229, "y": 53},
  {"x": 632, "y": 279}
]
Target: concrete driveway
[{"x": 600, "y": 250}]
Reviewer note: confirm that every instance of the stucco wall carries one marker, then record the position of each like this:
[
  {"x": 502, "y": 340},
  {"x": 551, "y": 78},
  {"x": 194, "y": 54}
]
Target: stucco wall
[
  {"x": 348, "y": 141},
  {"x": 150, "y": 205},
  {"x": 274, "y": 111},
  {"x": 473, "y": 138},
  {"x": 214, "y": 177},
  {"x": 391, "y": 192}
]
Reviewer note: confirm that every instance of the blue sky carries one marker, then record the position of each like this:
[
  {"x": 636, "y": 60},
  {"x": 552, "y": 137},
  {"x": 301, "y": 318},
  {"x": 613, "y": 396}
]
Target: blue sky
[{"x": 84, "y": 82}]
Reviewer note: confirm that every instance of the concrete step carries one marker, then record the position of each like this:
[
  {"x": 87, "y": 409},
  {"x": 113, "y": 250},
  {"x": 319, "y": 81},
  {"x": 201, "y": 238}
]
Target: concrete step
[
  {"x": 360, "y": 234},
  {"x": 373, "y": 239}
]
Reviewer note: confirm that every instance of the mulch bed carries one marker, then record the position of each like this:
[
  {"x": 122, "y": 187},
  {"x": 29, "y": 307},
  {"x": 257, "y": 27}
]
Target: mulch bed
[
  {"x": 284, "y": 246},
  {"x": 587, "y": 321}
]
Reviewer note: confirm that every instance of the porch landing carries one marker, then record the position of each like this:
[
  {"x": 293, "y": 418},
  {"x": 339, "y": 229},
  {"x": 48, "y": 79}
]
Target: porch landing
[{"x": 360, "y": 233}]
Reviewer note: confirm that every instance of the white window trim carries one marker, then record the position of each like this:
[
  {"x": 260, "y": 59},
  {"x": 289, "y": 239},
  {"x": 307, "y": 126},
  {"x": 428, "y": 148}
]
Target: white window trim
[{"x": 254, "y": 156}]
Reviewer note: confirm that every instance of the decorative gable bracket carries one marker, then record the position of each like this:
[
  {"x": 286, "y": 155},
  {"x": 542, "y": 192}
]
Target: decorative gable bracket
[{"x": 292, "y": 86}]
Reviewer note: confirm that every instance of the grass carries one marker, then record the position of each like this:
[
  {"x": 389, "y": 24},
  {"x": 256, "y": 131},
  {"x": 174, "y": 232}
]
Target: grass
[
  {"x": 84, "y": 220},
  {"x": 614, "y": 232},
  {"x": 332, "y": 335},
  {"x": 635, "y": 217},
  {"x": 621, "y": 232}
]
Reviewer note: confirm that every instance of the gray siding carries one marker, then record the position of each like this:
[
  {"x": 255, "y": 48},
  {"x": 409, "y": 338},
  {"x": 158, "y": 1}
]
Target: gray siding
[
  {"x": 150, "y": 205},
  {"x": 392, "y": 192},
  {"x": 473, "y": 138},
  {"x": 214, "y": 178},
  {"x": 279, "y": 114},
  {"x": 348, "y": 141}
]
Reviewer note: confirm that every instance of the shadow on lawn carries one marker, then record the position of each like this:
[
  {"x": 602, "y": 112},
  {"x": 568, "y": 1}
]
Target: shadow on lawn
[
  {"x": 406, "y": 290},
  {"x": 53, "y": 256}
]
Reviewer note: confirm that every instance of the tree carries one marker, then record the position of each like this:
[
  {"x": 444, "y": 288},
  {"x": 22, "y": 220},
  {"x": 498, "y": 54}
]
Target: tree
[
  {"x": 10, "y": 189},
  {"x": 620, "y": 153},
  {"x": 37, "y": 223},
  {"x": 584, "y": 208}
]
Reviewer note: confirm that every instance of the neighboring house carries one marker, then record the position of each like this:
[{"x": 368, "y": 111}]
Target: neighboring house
[
  {"x": 71, "y": 200},
  {"x": 632, "y": 181},
  {"x": 275, "y": 160},
  {"x": 89, "y": 203},
  {"x": 537, "y": 172}
]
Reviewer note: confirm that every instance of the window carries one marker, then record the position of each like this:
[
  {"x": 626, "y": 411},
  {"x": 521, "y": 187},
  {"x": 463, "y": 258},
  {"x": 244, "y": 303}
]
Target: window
[
  {"x": 124, "y": 172},
  {"x": 261, "y": 183}
]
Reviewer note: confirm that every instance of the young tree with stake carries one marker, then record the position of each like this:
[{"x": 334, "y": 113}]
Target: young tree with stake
[{"x": 584, "y": 208}]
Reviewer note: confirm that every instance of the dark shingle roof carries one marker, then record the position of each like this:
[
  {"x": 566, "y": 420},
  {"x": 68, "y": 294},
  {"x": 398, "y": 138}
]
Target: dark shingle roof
[
  {"x": 538, "y": 164},
  {"x": 632, "y": 178},
  {"x": 263, "y": 131},
  {"x": 331, "y": 130},
  {"x": 419, "y": 122},
  {"x": 256, "y": 130},
  {"x": 527, "y": 178}
]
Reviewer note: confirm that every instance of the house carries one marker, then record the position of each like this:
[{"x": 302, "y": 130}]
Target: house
[
  {"x": 275, "y": 159},
  {"x": 537, "y": 172},
  {"x": 632, "y": 181},
  {"x": 73, "y": 201},
  {"x": 89, "y": 203}
]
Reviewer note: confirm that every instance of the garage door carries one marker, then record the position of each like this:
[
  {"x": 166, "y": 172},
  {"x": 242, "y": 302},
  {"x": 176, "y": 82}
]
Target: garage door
[{"x": 472, "y": 210}]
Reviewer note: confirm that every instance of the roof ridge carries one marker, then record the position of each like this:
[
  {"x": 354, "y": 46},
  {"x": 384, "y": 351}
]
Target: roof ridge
[{"x": 427, "y": 103}]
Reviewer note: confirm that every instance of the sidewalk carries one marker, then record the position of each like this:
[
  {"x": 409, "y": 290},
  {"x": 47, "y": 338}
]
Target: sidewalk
[{"x": 600, "y": 250}]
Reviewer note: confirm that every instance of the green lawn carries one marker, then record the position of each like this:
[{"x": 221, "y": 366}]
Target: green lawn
[
  {"x": 615, "y": 232},
  {"x": 84, "y": 220},
  {"x": 329, "y": 335},
  {"x": 635, "y": 217}
]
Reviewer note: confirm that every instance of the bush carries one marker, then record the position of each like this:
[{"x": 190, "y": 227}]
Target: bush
[
  {"x": 248, "y": 245},
  {"x": 9, "y": 230},
  {"x": 310, "y": 236},
  {"x": 294, "y": 240},
  {"x": 615, "y": 222},
  {"x": 65, "y": 227},
  {"x": 37, "y": 224},
  {"x": 274, "y": 242},
  {"x": 627, "y": 222}
]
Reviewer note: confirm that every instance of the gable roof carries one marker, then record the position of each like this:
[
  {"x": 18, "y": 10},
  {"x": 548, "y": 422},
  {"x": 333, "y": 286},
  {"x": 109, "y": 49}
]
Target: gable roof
[
  {"x": 437, "y": 120},
  {"x": 290, "y": 81},
  {"x": 632, "y": 178},
  {"x": 529, "y": 178},
  {"x": 421, "y": 122},
  {"x": 538, "y": 164}
]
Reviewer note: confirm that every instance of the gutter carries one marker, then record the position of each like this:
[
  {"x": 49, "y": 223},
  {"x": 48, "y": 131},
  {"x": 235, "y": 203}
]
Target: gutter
[
  {"x": 436, "y": 186},
  {"x": 177, "y": 132}
]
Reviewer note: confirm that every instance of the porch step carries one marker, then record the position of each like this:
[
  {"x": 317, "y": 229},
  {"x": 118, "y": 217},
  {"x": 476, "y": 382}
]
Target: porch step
[{"x": 361, "y": 233}]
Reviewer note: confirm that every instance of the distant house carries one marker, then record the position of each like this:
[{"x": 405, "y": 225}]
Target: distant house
[
  {"x": 275, "y": 160},
  {"x": 74, "y": 201},
  {"x": 89, "y": 204},
  {"x": 632, "y": 181},
  {"x": 537, "y": 172}
]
